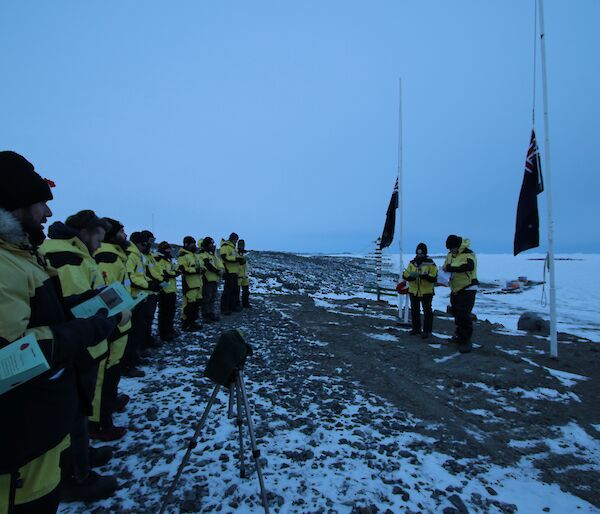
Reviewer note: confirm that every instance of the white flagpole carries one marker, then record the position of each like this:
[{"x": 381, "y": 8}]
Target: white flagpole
[
  {"x": 548, "y": 188},
  {"x": 402, "y": 313}
]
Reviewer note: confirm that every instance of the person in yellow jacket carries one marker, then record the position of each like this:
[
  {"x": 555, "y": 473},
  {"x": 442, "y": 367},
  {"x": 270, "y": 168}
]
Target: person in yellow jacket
[
  {"x": 243, "y": 280},
  {"x": 38, "y": 414},
  {"x": 111, "y": 258},
  {"x": 210, "y": 279},
  {"x": 167, "y": 297},
  {"x": 155, "y": 276},
  {"x": 69, "y": 250},
  {"x": 191, "y": 269},
  {"x": 461, "y": 263},
  {"x": 230, "y": 299},
  {"x": 421, "y": 275},
  {"x": 136, "y": 268}
]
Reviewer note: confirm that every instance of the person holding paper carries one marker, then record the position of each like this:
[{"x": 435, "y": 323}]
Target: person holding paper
[
  {"x": 42, "y": 409},
  {"x": 421, "y": 275},
  {"x": 243, "y": 281},
  {"x": 69, "y": 250},
  {"x": 191, "y": 268},
  {"x": 111, "y": 258}
]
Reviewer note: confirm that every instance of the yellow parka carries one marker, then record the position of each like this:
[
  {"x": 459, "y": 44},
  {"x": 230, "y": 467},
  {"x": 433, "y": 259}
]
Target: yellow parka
[
  {"x": 212, "y": 265},
  {"x": 229, "y": 255},
  {"x": 169, "y": 272},
  {"x": 136, "y": 271},
  {"x": 462, "y": 267},
  {"x": 421, "y": 277},
  {"x": 191, "y": 268},
  {"x": 243, "y": 273},
  {"x": 112, "y": 261}
]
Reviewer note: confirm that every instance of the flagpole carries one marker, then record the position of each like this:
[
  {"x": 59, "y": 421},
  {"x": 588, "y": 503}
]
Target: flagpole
[
  {"x": 402, "y": 310},
  {"x": 548, "y": 187}
]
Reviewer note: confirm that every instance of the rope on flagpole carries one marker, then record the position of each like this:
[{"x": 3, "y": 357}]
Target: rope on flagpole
[{"x": 534, "y": 60}]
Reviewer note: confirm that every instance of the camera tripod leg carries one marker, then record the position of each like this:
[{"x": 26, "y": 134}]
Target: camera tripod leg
[
  {"x": 191, "y": 446},
  {"x": 231, "y": 393},
  {"x": 255, "y": 450},
  {"x": 239, "y": 423}
]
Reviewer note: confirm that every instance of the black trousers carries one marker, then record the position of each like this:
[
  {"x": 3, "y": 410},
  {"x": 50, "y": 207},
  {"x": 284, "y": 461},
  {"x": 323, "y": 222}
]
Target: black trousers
[
  {"x": 167, "y": 303},
  {"x": 415, "y": 308},
  {"x": 209, "y": 297},
  {"x": 246, "y": 296},
  {"x": 131, "y": 357},
  {"x": 75, "y": 460},
  {"x": 110, "y": 387},
  {"x": 230, "y": 299},
  {"x": 47, "y": 504},
  {"x": 462, "y": 305},
  {"x": 148, "y": 318}
]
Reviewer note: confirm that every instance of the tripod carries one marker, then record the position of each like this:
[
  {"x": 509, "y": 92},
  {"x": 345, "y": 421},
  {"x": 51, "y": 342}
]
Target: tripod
[{"x": 237, "y": 388}]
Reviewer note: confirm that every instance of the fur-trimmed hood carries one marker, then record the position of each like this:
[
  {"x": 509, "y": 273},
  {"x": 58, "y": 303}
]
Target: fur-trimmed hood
[{"x": 11, "y": 230}]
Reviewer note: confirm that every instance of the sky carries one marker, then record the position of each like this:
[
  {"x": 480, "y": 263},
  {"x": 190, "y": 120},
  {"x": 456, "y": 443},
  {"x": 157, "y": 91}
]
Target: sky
[{"x": 279, "y": 119}]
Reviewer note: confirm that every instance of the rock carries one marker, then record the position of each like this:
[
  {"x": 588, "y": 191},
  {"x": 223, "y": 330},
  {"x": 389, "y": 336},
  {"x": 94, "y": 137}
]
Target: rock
[
  {"x": 491, "y": 490},
  {"x": 458, "y": 503},
  {"x": 533, "y": 322},
  {"x": 152, "y": 413}
]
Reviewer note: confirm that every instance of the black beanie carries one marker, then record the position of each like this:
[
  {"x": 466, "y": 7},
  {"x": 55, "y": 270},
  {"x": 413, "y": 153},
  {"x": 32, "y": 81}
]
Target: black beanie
[
  {"x": 21, "y": 185},
  {"x": 453, "y": 241},
  {"x": 115, "y": 227},
  {"x": 422, "y": 247},
  {"x": 188, "y": 240},
  {"x": 136, "y": 237}
]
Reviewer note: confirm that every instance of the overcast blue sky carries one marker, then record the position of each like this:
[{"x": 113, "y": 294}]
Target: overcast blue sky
[{"x": 279, "y": 120}]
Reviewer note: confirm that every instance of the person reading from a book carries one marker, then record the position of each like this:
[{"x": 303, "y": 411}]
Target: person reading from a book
[{"x": 38, "y": 414}]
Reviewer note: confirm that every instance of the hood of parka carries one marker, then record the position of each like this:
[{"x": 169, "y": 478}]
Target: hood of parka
[{"x": 11, "y": 230}]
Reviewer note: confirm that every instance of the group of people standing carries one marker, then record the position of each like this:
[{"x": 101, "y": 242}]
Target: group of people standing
[
  {"x": 46, "y": 456},
  {"x": 422, "y": 277}
]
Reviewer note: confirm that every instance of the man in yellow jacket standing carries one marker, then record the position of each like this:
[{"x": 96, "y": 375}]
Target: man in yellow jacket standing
[
  {"x": 191, "y": 268},
  {"x": 461, "y": 263},
  {"x": 69, "y": 250},
  {"x": 111, "y": 258},
  {"x": 37, "y": 415},
  {"x": 243, "y": 280},
  {"x": 421, "y": 275},
  {"x": 167, "y": 297},
  {"x": 230, "y": 299},
  {"x": 210, "y": 280}
]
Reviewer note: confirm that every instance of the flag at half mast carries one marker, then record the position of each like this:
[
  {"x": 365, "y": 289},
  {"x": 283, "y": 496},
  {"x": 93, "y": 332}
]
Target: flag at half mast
[
  {"x": 527, "y": 231},
  {"x": 390, "y": 220}
]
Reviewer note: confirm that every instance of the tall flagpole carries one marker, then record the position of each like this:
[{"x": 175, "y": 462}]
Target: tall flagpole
[
  {"x": 548, "y": 187},
  {"x": 399, "y": 206}
]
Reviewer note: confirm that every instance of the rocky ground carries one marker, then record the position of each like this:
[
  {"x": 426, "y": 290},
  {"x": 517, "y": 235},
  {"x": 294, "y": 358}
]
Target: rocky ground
[{"x": 352, "y": 414}]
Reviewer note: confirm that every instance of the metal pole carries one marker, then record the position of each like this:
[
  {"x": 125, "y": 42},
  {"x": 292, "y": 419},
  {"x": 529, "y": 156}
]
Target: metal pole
[
  {"x": 402, "y": 312},
  {"x": 548, "y": 187},
  {"x": 255, "y": 450}
]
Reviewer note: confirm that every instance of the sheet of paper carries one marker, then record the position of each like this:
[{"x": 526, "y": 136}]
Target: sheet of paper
[{"x": 21, "y": 361}]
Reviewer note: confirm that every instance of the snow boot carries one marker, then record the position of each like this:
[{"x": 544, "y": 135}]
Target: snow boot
[
  {"x": 94, "y": 487},
  {"x": 99, "y": 456}
]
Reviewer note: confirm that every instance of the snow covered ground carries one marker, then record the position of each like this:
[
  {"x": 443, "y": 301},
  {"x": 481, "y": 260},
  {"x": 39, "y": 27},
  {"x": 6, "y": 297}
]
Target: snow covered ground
[{"x": 492, "y": 432}]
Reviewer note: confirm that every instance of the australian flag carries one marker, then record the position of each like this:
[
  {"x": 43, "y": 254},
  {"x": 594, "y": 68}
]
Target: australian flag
[
  {"x": 390, "y": 220},
  {"x": 527, "y": 232}
]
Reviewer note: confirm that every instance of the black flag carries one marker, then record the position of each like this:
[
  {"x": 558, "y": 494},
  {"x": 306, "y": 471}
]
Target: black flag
[
  {"x": 527, "y": 232},
  {"x": 390, "y": 220}
]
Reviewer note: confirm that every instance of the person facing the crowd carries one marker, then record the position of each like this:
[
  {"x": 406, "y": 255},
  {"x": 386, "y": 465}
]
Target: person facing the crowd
[
  {"x": 421, "y": 275},
  {"x": 69, "y": 250},
  {"x": 191, "y": 268},
  {"x": 111, "y": 258},
  {"x": 210, "y": 279},
  {"x": 167, "y": 297},
  {"x": 243, "y": 280},
  {"x": 230, "y": 299},
  {"x": 461, "y": 263},
  {"x": 42, "y": 410}
]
